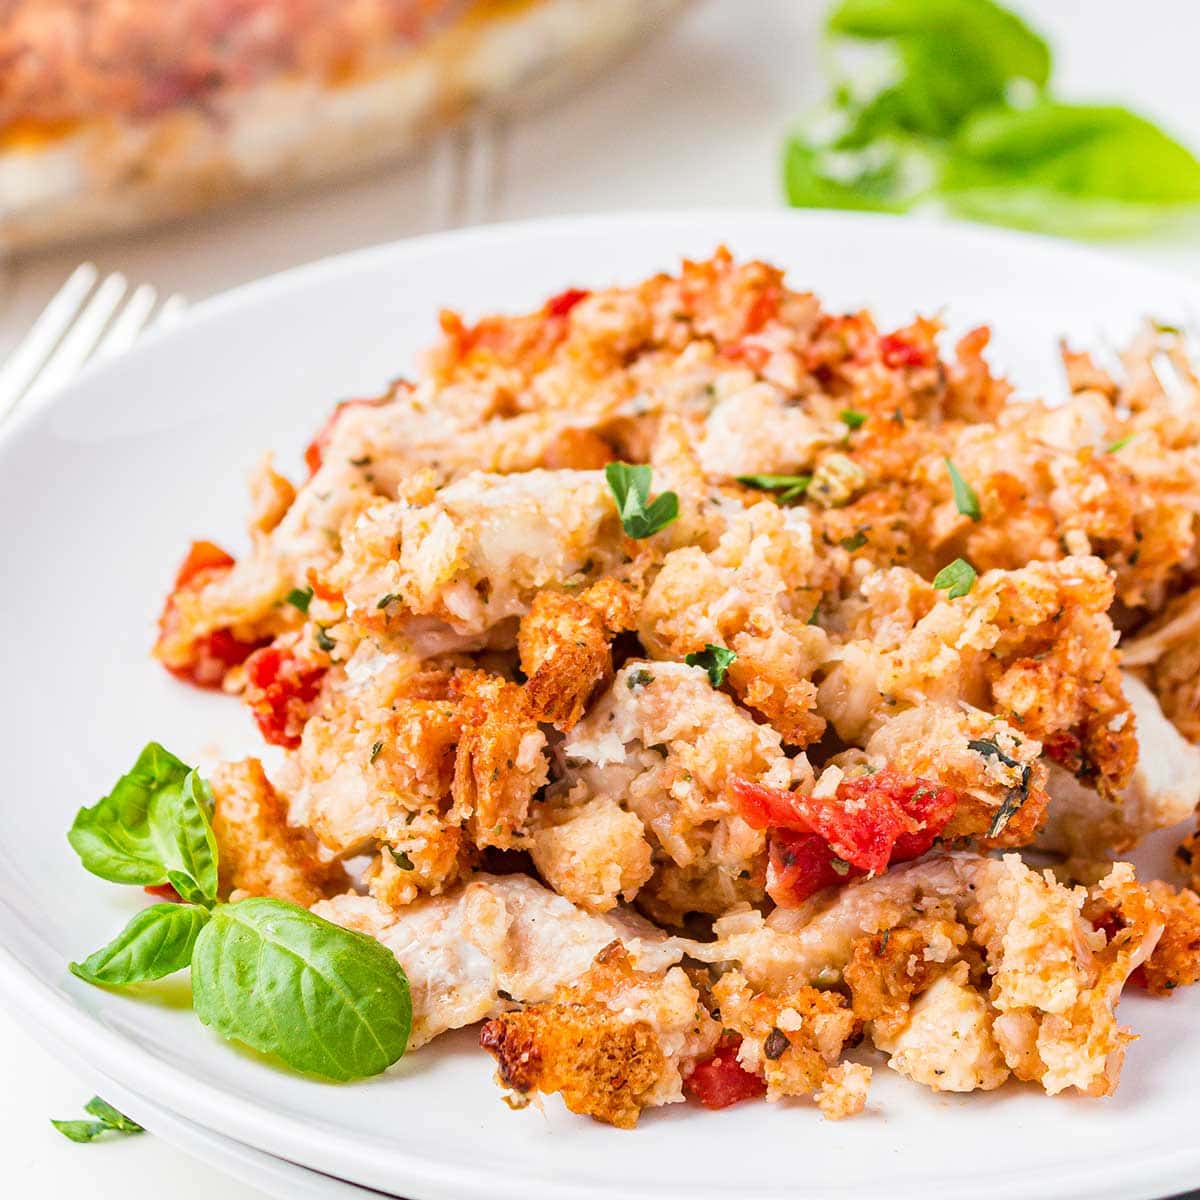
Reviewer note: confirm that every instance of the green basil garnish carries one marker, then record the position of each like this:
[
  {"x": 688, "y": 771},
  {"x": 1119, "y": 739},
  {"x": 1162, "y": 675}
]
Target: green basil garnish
[{"x": 640, "y": 517}]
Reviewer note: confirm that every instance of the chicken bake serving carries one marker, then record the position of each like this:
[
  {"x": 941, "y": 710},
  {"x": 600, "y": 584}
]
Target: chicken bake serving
[{"x": 691, "y": 685}]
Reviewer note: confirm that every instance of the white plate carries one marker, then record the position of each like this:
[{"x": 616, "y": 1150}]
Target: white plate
[{"x": 99, "y": 495}]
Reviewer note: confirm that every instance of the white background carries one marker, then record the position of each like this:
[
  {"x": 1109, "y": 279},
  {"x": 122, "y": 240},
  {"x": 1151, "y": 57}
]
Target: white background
[{"x": 695, "y": 118}]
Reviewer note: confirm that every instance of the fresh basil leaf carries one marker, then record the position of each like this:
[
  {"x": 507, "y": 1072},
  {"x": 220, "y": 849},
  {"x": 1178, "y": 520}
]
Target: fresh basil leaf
[
  {"x": 1086, "y": 170},
  {"x": 883, "y": 177},
  {"x": 195, "y": 842},
  {"x": 640, "y": 517},
  {"x": 716, "y": 660},
  {"x": 956, "y": 579},
  {"x": 129, "y": 835},
  {"x": 113, "y": 1118},
  {"x": 300, "y": 598},
  {"x": 81, "y": 1131},
  {"x": 324, "y": 1000},
  {"x": 966, "y": 499},
  {"x": 108, "y": 1120},
  {"x": 953, "y": 57},
  {"x": 157, "y": 941}
]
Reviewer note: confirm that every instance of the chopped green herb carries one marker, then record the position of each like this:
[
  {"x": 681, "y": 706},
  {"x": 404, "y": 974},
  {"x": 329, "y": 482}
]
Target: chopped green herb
[
  {"x": 402, "y": 860},
  {"x": 384, "y": 601},
  {"x": 715, "y": 660},
  {"x": 640, "y": 517},
  {"x": 960, "y": 112},
  {"x": 788, "y": 486},
  {"x": 1013, "y": 801},
  {"x": 776, "y": 1044},
  {"x": 989, "y": 749},
  {"x": 1016, "y": 796},
  {"x": 300, "y": 598},
  {"x": 840, "y": 866},
  {"x": 1167, "y": 328},
  {"x": 107, "y": 1120},
  {"x": 324, "y": 641},
  {"x": 1120, "y": 444},
  {"x": 639, "y": 678},
  {"x": 853, "y": 418},
  {"x": 956, "y": 579},
  {"x": 375, "y": 749},
  {"x": 883, "y": 941},
  {"x": 965, "y": 498},
  {"x": 816, "y": 613},
  {"x": 856, "y": 541}
]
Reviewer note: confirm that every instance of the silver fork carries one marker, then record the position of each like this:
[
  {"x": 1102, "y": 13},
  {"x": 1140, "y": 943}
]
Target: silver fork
[{"x": 82, "y": 321}]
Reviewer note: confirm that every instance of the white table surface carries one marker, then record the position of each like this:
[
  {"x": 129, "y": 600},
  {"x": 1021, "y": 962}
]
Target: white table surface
[{"x": 694, "y": 118}]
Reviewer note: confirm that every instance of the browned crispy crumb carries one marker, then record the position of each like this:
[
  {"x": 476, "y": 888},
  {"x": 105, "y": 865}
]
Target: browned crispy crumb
[
  {"x": 1176, "y": 959},
  {"x": 260, "y": 853}
]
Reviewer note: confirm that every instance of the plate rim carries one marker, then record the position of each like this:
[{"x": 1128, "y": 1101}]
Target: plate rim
[{"x": 226, "y": 1112}]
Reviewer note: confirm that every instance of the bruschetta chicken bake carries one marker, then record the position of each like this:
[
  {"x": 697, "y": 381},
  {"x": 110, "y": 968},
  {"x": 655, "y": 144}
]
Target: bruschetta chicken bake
[{"x": 710, "y": 696}]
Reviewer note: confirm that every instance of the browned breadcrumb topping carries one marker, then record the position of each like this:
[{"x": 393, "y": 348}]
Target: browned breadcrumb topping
[{"x": 480, "y": 681}]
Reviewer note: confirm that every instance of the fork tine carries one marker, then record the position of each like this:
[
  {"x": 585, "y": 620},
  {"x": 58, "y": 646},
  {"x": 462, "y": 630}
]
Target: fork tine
[
  {"x": 23, "y": 364},
  {"x": 75, "y": 347},
  {"x": 171, "y": 311},
  {"x": 128, "y": 323}
]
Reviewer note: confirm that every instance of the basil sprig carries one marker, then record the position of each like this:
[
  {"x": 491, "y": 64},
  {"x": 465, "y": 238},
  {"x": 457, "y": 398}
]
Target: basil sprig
[
  {"x": 105, "y": 1119},
  {"x": 154, "y": 824},
  {"x": 640, "y": 517},
  {"x": 323, "y": 1000},
  {"x": 965, "y": 117}
]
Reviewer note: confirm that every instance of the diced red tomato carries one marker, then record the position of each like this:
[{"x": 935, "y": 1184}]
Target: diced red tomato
[
  {"x": 721, "y": 1080},
  {"x": 201, "y": 557},
  {"x": 315, "y": 450},
  {"x": 871, "y": 821},
  {"x": 164, "y": 891},
  {"x": 280, "y": 690},
  {"x": 802, "y": 864},
  {"x": 765, "y": 306},
  {"x": 901, "y": 349},
  {"x": 209, "y": 657},
  {"x": 560, "y": 305}
]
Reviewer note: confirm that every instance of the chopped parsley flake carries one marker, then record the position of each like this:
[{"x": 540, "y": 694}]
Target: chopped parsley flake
[
  {"x": 375, "y": 749},
  {"x": 853, "y": 418},
  {"x": 384, "y": 601},
  {"x": 855, "y": 541},
  {"x": 1120, "y": 444},
  {"x": 300, "y": 598},
  {"x": 324, "y": 641},
  {"x": 965, "y": 498},
  {"x": 776, "y": 1044},
  {"x": 788, "y": 487},
  {"x": 639, "y": 678},
  {"x": 956, "y": 579},
  {"x": 402, "y": 860},
  {"x": 715, "y": 660},
  {"x": 640, "y": 517}
]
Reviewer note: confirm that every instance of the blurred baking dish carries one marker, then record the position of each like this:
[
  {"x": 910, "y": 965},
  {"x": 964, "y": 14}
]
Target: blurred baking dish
[{"x": 114, "y": 113}]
